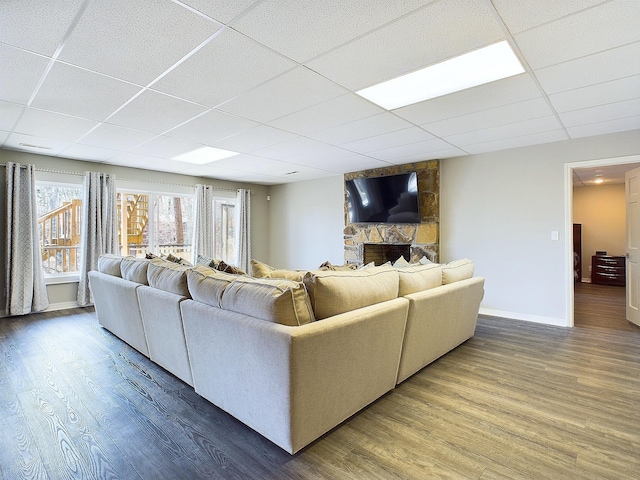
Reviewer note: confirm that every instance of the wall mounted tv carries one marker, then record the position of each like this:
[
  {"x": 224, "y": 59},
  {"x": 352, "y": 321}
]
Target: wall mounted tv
[{"x": 390, "y": 199}]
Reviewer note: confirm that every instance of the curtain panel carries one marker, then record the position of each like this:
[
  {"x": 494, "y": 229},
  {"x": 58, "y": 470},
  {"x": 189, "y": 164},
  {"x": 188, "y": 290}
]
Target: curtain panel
[
  {"x": 203, "y": 239},
  {"x": 26, "y": 289},
  {"x": 99, "y": 227},
  {"x": 243, "y": 238}
]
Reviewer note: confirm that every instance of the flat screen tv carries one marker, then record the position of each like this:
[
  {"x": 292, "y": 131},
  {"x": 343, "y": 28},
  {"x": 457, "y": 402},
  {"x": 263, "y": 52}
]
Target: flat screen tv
[{"x": 390, "y": 199}]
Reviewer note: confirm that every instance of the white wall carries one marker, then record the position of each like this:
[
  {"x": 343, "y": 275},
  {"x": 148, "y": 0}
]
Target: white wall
[
  {"x": 307, "y": 224},
  {"x": 500, "y": 208}
]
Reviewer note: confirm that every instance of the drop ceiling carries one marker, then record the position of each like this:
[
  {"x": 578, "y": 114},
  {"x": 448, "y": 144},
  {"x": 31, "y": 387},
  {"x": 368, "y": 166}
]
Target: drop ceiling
[{"x": 137, "y": 82}]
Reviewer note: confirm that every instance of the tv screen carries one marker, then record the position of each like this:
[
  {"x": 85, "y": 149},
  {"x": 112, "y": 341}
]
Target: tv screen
[{"x": 391, "y": 199}]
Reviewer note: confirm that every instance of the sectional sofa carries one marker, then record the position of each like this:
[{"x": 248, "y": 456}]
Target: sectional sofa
[{"x": 290, "y": 359}]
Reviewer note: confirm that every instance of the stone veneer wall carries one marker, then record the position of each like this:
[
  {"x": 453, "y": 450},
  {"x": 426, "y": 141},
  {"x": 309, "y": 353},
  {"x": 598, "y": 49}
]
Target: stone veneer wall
[{"x": 423, "y": 237}]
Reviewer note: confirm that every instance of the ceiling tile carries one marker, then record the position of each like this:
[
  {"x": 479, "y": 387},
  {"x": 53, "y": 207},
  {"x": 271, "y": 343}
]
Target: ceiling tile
[
  {"x": 166, "y": 147},
  {"x": 389, "y": 140},
  {"x": 222, "y": 10},
  {"x": 491, "y": 95},
  {"x": 114, "y": 137},
  {"x": 300, "y": 147},
  {"x": 45, "y": 124},
  {"x": 411, "y": 149},
  {"x": 602, "y": 128},
  {"x": 33, "y": 144},
  {"x": 134, "y": 160},
  {"x": 610, "y": 25},
  {"x": 36, "y": 25},
  {"x": 430, "y": 155},
  {"x": 440, "y": 31},
  {"x": 292, "y": 91},
  {"x": 212, "y": 126},
  {"x": 519, "y": 141},
  {"x": 492, "y": 117},
  {"x": 536, "y": 125},
  {"x": 601, "y": 113},
  {"x": 9, "y": 114},
  {"x": 140, "y": 42},
  {"x": 3, "y": 136},
  {"x": 365, "y": 128},
  {"x": 81, "y": 93},
  {"x": 86, "y": 152},
  {"x": 601, "y": 93},
  {"x": 337, "y": 111},
  {"x": 227, "y": 66},
  {"x": 313, "y": 27},
  {"x": 20, "y": 73},
  {"x": 590, "y": 70},
  {"x": 155, "y": 112},
  {"x": 519, "y": 15},
  {"x": 254, "y": 139}
]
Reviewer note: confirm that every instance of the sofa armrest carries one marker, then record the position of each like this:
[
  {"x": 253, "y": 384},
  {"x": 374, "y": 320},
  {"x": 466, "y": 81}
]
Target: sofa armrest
[{"x": 293, "y": 384}]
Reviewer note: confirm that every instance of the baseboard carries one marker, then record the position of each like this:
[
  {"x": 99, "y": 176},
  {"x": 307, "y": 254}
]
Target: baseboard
[
  {"x": 558, "y": 322},
  {"x": 61, "y": 306}
]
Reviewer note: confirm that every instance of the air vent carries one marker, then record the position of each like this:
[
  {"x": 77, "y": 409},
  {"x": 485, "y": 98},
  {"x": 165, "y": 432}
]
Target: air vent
[
  {"x": 30, "y": 145},
  {"x": 291, "y": 173}
]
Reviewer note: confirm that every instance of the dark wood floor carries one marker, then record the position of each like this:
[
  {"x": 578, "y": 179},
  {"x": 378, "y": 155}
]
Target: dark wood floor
[{"x": 518, "y": 400}]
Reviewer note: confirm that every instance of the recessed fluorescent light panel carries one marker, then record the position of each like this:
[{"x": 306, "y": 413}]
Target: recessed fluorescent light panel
[
  {"x": 205, "y": 155},
  {"x": 475, "y": 68}
]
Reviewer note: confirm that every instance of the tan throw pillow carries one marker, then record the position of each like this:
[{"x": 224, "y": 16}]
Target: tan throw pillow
[
  {"x": 273, "y": 300},
  {"x": 207, "y": 285},
  {"x": 110, "y": 264},
  {"x": 328, "y": 266},
  {"x": 135, "y": 269},
  {"x": 457, "y": 270},
  {"x": 260, "y": 269},
  {"x": 417, "y": 278},
  {"x": 168, "y": 276},
  {"x": 401, "y": 262},
  {"x": 335, "y": 292}
]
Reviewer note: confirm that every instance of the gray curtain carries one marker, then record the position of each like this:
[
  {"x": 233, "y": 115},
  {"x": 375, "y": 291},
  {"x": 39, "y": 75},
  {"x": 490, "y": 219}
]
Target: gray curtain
[
  {"x": 99, "y": 227},
  {"x": 26, "y": 290},
  {"x": 243, "y": 235},
  {"x": 204, "y": 225}
]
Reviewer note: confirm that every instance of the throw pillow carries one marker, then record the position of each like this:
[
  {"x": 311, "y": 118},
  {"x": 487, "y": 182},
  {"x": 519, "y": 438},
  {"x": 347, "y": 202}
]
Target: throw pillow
[
  {"x": 226, "y": 268},
  {"x": 457, "y": 270},
  {"x": 260, "y": 269},
  {"x": 328, "y": 266},
  {"x": 401, "y": 262}
]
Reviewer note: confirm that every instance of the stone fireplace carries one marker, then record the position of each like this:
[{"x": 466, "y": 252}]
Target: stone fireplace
[{"x": 413, "y": 240}]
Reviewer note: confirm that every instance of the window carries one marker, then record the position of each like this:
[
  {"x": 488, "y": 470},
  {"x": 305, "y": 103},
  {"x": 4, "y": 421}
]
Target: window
[
  {"x": 225, "y": 229},
  {"x": 155, "y": 222},
  {"x": 59, "y": 225}
]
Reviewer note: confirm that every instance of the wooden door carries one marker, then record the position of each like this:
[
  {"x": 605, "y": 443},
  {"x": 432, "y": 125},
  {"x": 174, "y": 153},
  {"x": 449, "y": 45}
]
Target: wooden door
[{"x": 632, "y": 192}]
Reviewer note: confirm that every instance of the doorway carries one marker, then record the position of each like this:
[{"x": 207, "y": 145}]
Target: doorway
[{"x": 613, "y": 163}]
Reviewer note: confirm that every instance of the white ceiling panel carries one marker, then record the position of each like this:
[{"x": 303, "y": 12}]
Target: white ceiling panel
[
  {"x": 601, "y": 113},
  {"x": 254, "y": 139},
  {"x": 140, "y": 43},
  {"x": 33, "y": 144},
  {"x": 20, "y": 73},
  {"x": 155, "y": 112},
  {"x": 365, "y": 128},
  {"x": 602, "y": 128},
  {"x": 442, "y": 30},
  {"x": 9, "y": 114},
  {"x": 221, "y": 10},
  {"x": 36, "y": 25},
  {"x": 412, "y": 149},
  {"x": 53, "y": 125},
  {"x": 492, "y": 117},
  {"x": 82, "y": 93},
  {"x": 519, "y": 15},
  {"x": 315, "y": 26},
  {"x": 536, "y": 125},
  {"x": 333, "y": 112},
  {"x": 115, "y": 137},
  {"x": 608, "y": 92},
  {"x": 519, "y": 141},
  {"x": 301, "y": 148},
  {"x": 227, "y": 66},
  {"x": 81, "y": 152},
  {"x": 3, "y": 136},
  {"x": 345, "y": 162},
  {"x": 422, "y": 156},
  {"x": 598, "y": 68},
  {"x": 292, "y": 91},
  {"x": 388, "y": 140},
  {"x": 134, "y": 160},
  {"x": 212, "y": 126},
  {"x": 166, "y": 147},
  {"x": 476, "y": 99},
  {"x": 590, "y": 31}
]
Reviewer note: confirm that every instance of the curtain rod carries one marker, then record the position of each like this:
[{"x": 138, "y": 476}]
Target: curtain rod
[{"x": 48, "y": 170}]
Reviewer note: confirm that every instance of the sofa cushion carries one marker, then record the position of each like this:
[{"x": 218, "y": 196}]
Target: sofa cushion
[
  {"x": 168, "y": 276},
  {"x": 135, "y": 269},
  {"x": 457, "y": 270},
  {"x": 416, "y": 278},
  {"x": 110, "y": 264},
  {"x": 335, "y": 292},
  {"x": 207, "y": 285},
  {"x": 274, "y": 300}
]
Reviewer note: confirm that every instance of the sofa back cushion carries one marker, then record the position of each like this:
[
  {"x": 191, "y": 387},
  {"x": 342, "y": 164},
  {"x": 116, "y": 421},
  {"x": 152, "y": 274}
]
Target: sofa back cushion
[
  {"x": 207, "y": 285},
  {"x": 274, "y": 300},
  {"x": 110, "y": 264},
  {"x": 416, "y": 278},
  {"x": 168, "y": 276},
  {"x": 336, "y": 292},
  {"x": 457, "y": 270},
  {"x": 135, "y": 269}
]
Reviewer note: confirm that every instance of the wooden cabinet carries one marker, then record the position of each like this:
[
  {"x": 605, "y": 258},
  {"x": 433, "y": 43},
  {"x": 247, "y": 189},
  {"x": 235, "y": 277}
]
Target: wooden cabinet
[{"x": 607, "y": 270}]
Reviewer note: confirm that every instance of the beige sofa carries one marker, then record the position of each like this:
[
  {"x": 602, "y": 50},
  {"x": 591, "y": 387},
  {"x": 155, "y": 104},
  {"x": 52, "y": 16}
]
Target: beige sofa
[{"x": 291, "y": 360}]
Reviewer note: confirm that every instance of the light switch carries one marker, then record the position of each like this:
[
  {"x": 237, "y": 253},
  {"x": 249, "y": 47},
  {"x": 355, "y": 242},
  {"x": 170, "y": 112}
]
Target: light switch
[{"x": 554, "y": 235}]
